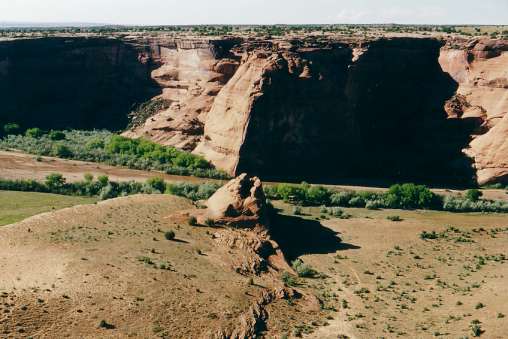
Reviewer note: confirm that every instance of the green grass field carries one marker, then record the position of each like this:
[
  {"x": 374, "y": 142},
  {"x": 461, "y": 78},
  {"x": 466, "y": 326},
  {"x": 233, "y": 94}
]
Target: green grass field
[{"x": 16, "y": 206}]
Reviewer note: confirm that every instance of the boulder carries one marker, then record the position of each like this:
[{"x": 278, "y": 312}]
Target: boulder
[{"x": 240, "y": 202}]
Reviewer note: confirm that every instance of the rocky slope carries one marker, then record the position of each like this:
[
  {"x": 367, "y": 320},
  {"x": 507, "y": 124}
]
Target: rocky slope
[{"x": 390, "y": 109}]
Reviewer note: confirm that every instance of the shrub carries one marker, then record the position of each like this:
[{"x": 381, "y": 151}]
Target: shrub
[
  {"x": 193, "y": 221},
  {"x": 375, "y": 204},
  {"x": 62, "y": 151},
  {"x": 357, "y": 201},
  {"x": 336, "y": 212},
  {"x": 103, "y": 180},
  {"x": 429, "y": 235},
  {"x": 341, "y": 198},
  {"x": 473, "y": 195},
  {"x": 35, "y": 133},
  {"x": 88, "y": 177},
  {"x": 55, "y": 181},
  {"x": 169, "y": 235},
  {"x": 288, "y": 279},
  {"x": 209, "y": 222},
  {"x": 56, "y": 135},
  {"x": 394, "y": 218},
  {"x": 410, "y": 196},
  {"x": 297, "y": 210},
  {"x": 303, "y": 270},
  {"x": 107, "y": 192},
  {"x": 317, "y": 195},
  {"x": 157, "y": 184},
  {"x": 11, "y": 128},
  {"x": 476, "y": 328}
]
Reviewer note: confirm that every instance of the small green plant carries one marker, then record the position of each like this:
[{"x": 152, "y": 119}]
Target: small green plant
[
  {"x": 103, "y": 180},
  {"x": 210, "y": 222},
  {"x": 88, "y": 177},
  {"x": 428, "y": 235},
  {"x": 193, "y": 221},
  {"x": 476, "y": 328},
  {"x": 288, "y": 279},
  {"x": 169, "y": 235},
  {"x": 303, "y": 270},
  {"x": 479, "y": 305}
]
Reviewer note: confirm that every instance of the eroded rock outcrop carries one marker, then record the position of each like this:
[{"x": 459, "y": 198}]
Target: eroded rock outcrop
[{"x": 480, "y": 67}]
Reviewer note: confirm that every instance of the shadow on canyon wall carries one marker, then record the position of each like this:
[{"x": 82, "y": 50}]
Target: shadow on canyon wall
[
  {"x": 380, "y": 118},
  {"x": 71, "y": 83}
]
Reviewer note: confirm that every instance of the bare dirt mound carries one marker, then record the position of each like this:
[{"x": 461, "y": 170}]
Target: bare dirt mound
[{"x": 108, "y": 270}]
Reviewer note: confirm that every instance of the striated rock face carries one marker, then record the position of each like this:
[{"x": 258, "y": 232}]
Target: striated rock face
[
  {"x": 481, "y": 70},
  {"x": 190, "y": 73},
  {"x": 309, "y": 108},
  {"x": 323, "y": 112}
]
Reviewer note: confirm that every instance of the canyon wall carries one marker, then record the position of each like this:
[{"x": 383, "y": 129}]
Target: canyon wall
[
  {"x": 321, "y": 109},
  {"x": 71, "y": 82}
]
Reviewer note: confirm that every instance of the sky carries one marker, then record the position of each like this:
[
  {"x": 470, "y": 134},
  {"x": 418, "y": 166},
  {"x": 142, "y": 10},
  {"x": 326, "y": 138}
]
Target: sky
[{"x": 181, "y": 12}]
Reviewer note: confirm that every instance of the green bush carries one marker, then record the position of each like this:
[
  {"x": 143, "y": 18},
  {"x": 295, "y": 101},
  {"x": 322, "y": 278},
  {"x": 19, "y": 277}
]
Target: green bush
[
  {"x": 62, "y": 151},
  {"x": 193, "y": 221},
  {"x": 341, "y": 198},
  {"x": 303, "y": 270},
  {"x": 473, "y": 194},
  {"x": 35, "y": 133},
  {"x": 11, "y": 128},
  {"x": 410, "y": 196},
  {"x": 55, "y": 181},
  {"x": 157, "y": 183},
  {"x": 56, "y": 135},
  {"x": 169, "y": 235},
  {"x": 288, "y": 279},
  {"x": 103, "y": 180}
]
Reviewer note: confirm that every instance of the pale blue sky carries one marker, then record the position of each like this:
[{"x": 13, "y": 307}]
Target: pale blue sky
[{"x": 172, "y": 12}]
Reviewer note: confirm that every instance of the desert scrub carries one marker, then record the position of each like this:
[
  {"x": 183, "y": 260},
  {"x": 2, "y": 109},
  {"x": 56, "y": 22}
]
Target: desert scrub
[
  {"x": 394, "y": 218},
  {"x": 170, "y": 235},
  {"x": 303, "y": 270},
  {"x": 192, "y": 221},
  {"x": 192, "y": 191},
  {"x": 112, "y": 149},
  {"x": 288, "y": 279}
]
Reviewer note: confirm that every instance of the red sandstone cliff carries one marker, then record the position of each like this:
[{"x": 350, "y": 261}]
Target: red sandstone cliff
[{"x": 396, "y": 109}]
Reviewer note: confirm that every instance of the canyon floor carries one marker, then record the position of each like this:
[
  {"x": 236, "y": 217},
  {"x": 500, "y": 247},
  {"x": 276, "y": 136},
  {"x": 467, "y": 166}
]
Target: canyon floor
[{"x": 107, "y": 270}]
